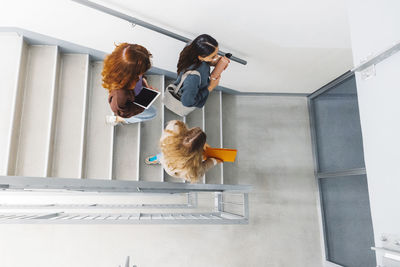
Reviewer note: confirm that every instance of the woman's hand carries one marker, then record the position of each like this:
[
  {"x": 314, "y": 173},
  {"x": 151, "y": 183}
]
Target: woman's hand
[
  {"x": 204, "y": 151},
  {"x": 206, "y": 146},
  {"x": 218, "y": 160},
  {"x": 215, "y": 61},
  {"x": 213, "y": 83},
  {"x": 146, "y": 84},
  {"x": 229, "y": 61}
]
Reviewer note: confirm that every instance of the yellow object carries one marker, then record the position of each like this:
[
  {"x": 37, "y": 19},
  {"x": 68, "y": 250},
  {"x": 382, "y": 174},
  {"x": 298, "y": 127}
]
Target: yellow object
[{"x": 224, "y": 154}]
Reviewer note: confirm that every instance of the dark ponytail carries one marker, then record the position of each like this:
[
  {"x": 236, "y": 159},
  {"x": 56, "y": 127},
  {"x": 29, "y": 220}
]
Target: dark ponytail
[{"x": 204, "y": 45}]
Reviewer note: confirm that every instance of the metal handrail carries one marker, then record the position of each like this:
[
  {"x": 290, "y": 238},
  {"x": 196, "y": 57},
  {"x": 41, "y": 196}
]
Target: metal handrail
[
  {"x": 375, "y": 59},
  {"x": 147, "y": 25},
  {"x": 112, "y": 186}
]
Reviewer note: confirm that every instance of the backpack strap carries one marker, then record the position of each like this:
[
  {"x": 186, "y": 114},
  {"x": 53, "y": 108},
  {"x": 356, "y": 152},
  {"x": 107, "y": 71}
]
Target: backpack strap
[{"x": 184, "y": 76}]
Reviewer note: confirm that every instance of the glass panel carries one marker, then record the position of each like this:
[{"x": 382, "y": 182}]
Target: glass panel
[
  {"x": 347, "y": 221},
  {"x": 338, "y": 130}
]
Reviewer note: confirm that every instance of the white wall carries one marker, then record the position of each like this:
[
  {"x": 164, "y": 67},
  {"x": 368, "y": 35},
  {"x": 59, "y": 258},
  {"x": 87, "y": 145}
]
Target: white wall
[
  {"x": 72, "y": 22},
  {"x": 375, "y": 25},
  {"x": 291, "y": 46}
]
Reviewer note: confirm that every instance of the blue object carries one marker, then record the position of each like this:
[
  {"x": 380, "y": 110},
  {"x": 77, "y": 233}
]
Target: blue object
[{"x": 153, "y": 158}]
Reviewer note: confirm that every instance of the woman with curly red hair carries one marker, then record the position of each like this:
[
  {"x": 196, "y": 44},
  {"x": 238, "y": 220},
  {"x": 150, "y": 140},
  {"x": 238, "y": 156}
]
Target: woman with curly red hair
[{"x": 123, "y": 78}]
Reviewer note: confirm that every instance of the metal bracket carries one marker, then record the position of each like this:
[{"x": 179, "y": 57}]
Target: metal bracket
[
  {"x": 391, "y": 241},
  {"x": 127, "y": 263},
  {"x": 368, "y": 72},
  {"x": 218, "y": 202},
  {"x": 192, "y": 200},
  {"x": 390, "y": 250},
  {"x": 367, "y": 66}
]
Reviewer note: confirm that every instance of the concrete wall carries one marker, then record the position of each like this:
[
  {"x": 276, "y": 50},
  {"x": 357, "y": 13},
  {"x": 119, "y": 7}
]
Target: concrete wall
[{"x": 375, "y": 26}]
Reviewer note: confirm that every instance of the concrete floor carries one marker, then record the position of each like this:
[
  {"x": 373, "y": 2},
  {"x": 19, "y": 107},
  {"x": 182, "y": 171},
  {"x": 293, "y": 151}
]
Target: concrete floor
[{"x": 273, "y": 139}]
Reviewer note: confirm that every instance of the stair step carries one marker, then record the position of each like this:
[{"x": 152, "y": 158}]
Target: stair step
[
  {"x": 170, "y": 116},
  {"x": 99, "y": 135},
  {"x": 150, "y": 136},
  {"x": 70, "y": 116},
  {"x": 213, "y": 131},
  {"x": 12, "y": 68},
  {"x": 126, "y": 149},
  {"x": 37, "y": 112},
  {"x": 195, "y": 118}
]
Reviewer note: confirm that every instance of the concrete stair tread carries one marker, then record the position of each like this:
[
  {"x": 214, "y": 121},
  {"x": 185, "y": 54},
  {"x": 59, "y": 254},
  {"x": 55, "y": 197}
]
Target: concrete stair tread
[
  {"x": 126, "y": 145},
  {"x": 150, "y": 136},
  {"x": 195, "y": 118},
  {"x": 212, "y": 125},
  {"x": 70, "y": 116},
  {"x": 36, "y": 118},
  {"x": 10, "y": 54},
  {"x": 99, "y": 136}
]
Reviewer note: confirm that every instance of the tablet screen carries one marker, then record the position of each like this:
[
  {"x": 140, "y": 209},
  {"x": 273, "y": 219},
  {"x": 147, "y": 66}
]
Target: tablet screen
[{"x": 146, "y": 97}]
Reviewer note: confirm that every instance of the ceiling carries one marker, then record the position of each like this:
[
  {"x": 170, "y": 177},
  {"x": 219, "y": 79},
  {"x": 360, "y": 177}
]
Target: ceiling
[{"x": 291, "y": 46}]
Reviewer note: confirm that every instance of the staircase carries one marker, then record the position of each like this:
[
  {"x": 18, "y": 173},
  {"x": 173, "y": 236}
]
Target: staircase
[{"x": 52, "y": 119}]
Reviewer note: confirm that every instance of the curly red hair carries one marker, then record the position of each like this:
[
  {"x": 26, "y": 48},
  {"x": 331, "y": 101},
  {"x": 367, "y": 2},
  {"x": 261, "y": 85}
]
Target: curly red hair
[{"x": 124, "y": 65}]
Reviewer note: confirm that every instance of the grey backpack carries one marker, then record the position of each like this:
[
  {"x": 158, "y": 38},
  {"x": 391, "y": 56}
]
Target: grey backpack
[{"x": 172, "y": 96}]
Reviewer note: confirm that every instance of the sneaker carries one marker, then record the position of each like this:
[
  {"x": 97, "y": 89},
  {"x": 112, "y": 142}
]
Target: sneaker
[
  {"x": 152, "y": 160},
  {"x": 112, "y": 120}
]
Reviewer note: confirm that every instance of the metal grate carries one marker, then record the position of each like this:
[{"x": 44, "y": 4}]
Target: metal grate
[{"x": 124, "y": 218}]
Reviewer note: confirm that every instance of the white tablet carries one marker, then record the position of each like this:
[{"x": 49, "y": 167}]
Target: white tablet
[{"x": 146, "y": 97}]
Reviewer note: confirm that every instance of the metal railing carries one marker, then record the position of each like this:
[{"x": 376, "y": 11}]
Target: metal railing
[
  {"x": 146, "y": 25},
  {"x": 111, "y": 186},
  {"x": 229, "y": 203},
  {"x": 378, "y": 57},
  {"x": 367, "y": 65}
]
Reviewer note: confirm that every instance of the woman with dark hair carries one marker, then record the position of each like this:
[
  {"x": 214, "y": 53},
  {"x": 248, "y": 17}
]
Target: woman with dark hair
[
  {"x": 123, "y": 78},
  {"x": 198, "y": 55},
  {"x": 182, "y": 152}
]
